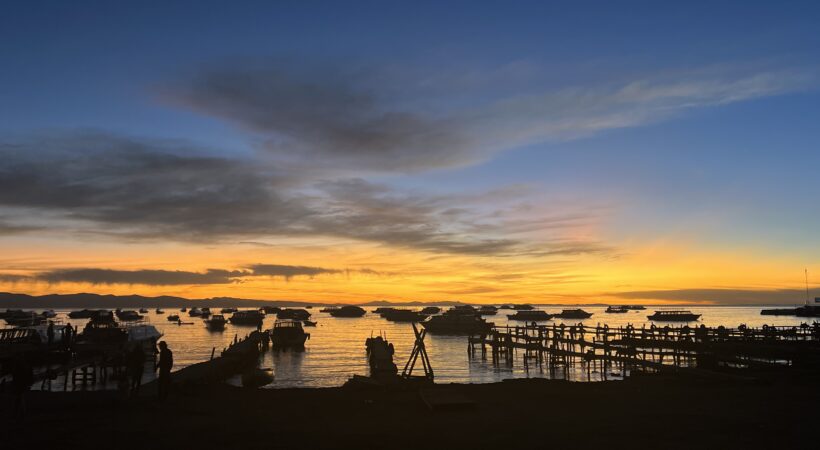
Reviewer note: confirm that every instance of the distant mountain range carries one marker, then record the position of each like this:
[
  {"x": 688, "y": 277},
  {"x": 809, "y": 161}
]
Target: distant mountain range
[{"x": 85, "y": 300}]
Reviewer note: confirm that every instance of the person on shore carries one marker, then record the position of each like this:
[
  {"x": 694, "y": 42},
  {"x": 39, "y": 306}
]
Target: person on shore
[
  {"x": 166, "y": 362},
  {"x": 50, "y": 333},
  {"x": 68, "y": 331},
  {"x": 136, "y": 366},
  {"x": 22, "y": 377}
]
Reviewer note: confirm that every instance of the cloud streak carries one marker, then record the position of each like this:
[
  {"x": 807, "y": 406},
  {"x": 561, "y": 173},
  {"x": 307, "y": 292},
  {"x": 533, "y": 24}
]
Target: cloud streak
[{"x": 357, "y": 119}]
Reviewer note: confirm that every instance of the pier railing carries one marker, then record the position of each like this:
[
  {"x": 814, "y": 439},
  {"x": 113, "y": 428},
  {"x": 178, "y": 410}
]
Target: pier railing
[{"x": 652, "y": 348}]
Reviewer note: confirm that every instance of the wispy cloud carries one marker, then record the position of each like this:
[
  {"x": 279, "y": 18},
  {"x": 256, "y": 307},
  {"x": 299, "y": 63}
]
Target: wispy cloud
[{"x": 356, "y": 118}]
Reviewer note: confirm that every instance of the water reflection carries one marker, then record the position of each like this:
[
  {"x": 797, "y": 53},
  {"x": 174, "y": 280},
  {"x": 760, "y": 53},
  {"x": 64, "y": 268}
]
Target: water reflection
[{"x": 335, "y": 350}]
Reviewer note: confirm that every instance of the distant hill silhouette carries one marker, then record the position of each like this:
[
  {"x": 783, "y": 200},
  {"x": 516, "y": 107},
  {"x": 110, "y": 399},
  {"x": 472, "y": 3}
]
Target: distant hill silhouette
[{"x": 87, "y": 300}]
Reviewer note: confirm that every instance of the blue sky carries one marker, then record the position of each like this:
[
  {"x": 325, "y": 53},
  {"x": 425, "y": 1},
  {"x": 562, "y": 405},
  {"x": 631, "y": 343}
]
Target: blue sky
[{"x": 695, "y": 118}]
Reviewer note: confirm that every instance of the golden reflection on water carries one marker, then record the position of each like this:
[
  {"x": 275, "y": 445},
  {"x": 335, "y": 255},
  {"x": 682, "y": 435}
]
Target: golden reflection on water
[{"x": 335, "y": 350}]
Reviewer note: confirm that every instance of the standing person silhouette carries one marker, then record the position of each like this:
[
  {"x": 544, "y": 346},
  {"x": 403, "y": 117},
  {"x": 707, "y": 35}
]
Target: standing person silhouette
[{"x": 166, "y": 362}]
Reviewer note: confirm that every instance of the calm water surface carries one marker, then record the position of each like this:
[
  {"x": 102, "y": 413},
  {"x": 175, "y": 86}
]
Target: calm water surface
[{"x": 335, "y": 350}]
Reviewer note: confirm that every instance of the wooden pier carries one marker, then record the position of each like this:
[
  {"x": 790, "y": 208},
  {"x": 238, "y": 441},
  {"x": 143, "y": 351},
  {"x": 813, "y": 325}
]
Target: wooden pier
[{"x": 684, "y": 349}]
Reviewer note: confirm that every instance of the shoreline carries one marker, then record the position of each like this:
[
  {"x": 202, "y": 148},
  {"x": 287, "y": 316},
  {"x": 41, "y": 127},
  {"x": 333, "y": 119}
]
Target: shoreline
[{"x": 649, "y": 411}]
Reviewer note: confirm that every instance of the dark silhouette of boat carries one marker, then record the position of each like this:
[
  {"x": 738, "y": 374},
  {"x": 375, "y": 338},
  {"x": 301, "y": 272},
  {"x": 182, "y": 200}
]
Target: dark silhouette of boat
[
  {"x": 293, "y": 314},
  {"x": 522, "y": 307},
  {"x": 159, "y": 311},
  {"x": 228, "y": 310},
  {"x": 128, "y": 315},
  {"x": 573, "y": 314},
  {"x": 183, "y": 309},
  {"x": 267, "y": 309},
  {"x": 173, "y": 318},
  {"x": 195, "y": 312},
  {"x": 309, "y": 323},
  {"x": 348, "y": 311},
  {"x": 206, "y": 312},
  {"x": 677, "y": 315},
  {"x": 530, "y": 316},
  {"x": 456, "y": 322},
  {"x": 488, "y": 310},
  {"x": 382, "y": 310},
  {"x": 288, "y": 334},
  {"x": 83, "y": 314},
  {"x": 250, "y": 317},
  {"x": 430, "y": 310},
  {"x": 404, "y": 315},
  {"x": 143, "y": 310},
  {"x": 617, "y": 309},
  {"x": 19, "y": 318},
  {"x": 216, "y": 322}
]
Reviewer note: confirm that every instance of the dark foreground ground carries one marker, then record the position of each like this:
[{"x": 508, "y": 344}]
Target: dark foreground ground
[{"x": 643, "y": 412}]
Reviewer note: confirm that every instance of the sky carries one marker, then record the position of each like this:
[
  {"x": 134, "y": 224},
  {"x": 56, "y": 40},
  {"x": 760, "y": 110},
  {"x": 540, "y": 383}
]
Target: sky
[{"x": 488, "y": 152}]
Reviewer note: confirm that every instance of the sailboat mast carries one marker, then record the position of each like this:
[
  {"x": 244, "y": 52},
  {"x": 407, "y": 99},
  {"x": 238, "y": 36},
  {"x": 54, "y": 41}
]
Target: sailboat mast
[{"x": 807, "y": 286}]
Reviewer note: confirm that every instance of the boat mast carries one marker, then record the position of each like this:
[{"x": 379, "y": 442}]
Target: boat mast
[{"x": 807, "y": 286}]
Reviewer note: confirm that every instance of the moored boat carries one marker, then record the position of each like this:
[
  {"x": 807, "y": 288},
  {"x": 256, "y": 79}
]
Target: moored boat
[
  {"x": 288, "y": 334},
  {"x": 19, "y": 318},
  {"x": 456, "y": 323},
  {"x": 293, "y": 314},
  {"x": 431, "y": 310},
  {"x": 250, "y": 317},
  {"x": 535, "y": 315},
  {"x": 228, "y": 310},
  {"x": 617, "y": 309},
  {"x": 216, "y": 322},
  {"x": 195, "y": 312},
  {"x": 674, "y": 315},
  {"x": 143, "y": 310},
  {"x": 404, "y": 315},
  {"x": 128, "y": 315},
  {"x": 573, "y": 314},
  {"x": 173, "y": 318},
  {"x": 348, "y": 311},
  {"x": 522, "y": 307},
  {"x": 488, "y": 310},
  {"x": 159, "y": 311}
]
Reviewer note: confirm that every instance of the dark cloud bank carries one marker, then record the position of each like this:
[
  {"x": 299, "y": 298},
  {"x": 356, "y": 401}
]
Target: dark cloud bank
[
  {"x": 174, "y": 277},
  {"x": 130, "y": 188}
]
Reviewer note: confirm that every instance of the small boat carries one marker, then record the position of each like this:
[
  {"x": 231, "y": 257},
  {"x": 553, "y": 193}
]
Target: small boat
[
  {"x": 24, "y": 318},
  {"x": 49, "y": 314},
  {"x": 250, "y": 317},
  {"x": 288, "y": 334},
  {"x": 128, "y": 315},
  {"x": 293, "y": 314},
  {"x": 308, "y": 323},
  {"x": 522, "y": 307},
  {"x": 195, "y": 312},
  {"x": 173, "y": 318},
  {"x": 617, "y": 309},
  {"x": 228, "y": 310},
  {"x": 348, "y": 311},
  {"x": 404, "y": 315},
  {"x": 676, "y": 315},
  {"x": 183, "y": 309},
  {"x": 143, "y": 311},
  {"x": 455, "y": 323},
  {"x": 487, "y": 310},
  {"x": 83, "y": 314},
  {"x": 216, "y": 322},
  {"x": 573, "y": 314},
  {"x": 431, "y": 310},
  {"x": 530, "y": 316},
  {"x": 206, "y": 312},
  {"x": 382, "y": 310},
  {"x": 159, "y": 311},
  {"x": 267, "y": 309},
  {"x": 463, "y": 309}
]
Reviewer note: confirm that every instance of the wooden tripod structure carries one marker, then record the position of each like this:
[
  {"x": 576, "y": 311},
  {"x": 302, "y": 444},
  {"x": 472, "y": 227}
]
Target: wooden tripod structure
[{"x": 418, "y": 349}]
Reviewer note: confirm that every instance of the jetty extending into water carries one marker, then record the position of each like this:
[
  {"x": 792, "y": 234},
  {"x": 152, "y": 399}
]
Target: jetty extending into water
[{"x": 684, "y": 349}]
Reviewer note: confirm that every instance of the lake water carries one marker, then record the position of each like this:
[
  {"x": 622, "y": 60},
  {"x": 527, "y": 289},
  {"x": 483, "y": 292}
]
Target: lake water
[{"x": 335, "y": 350}]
